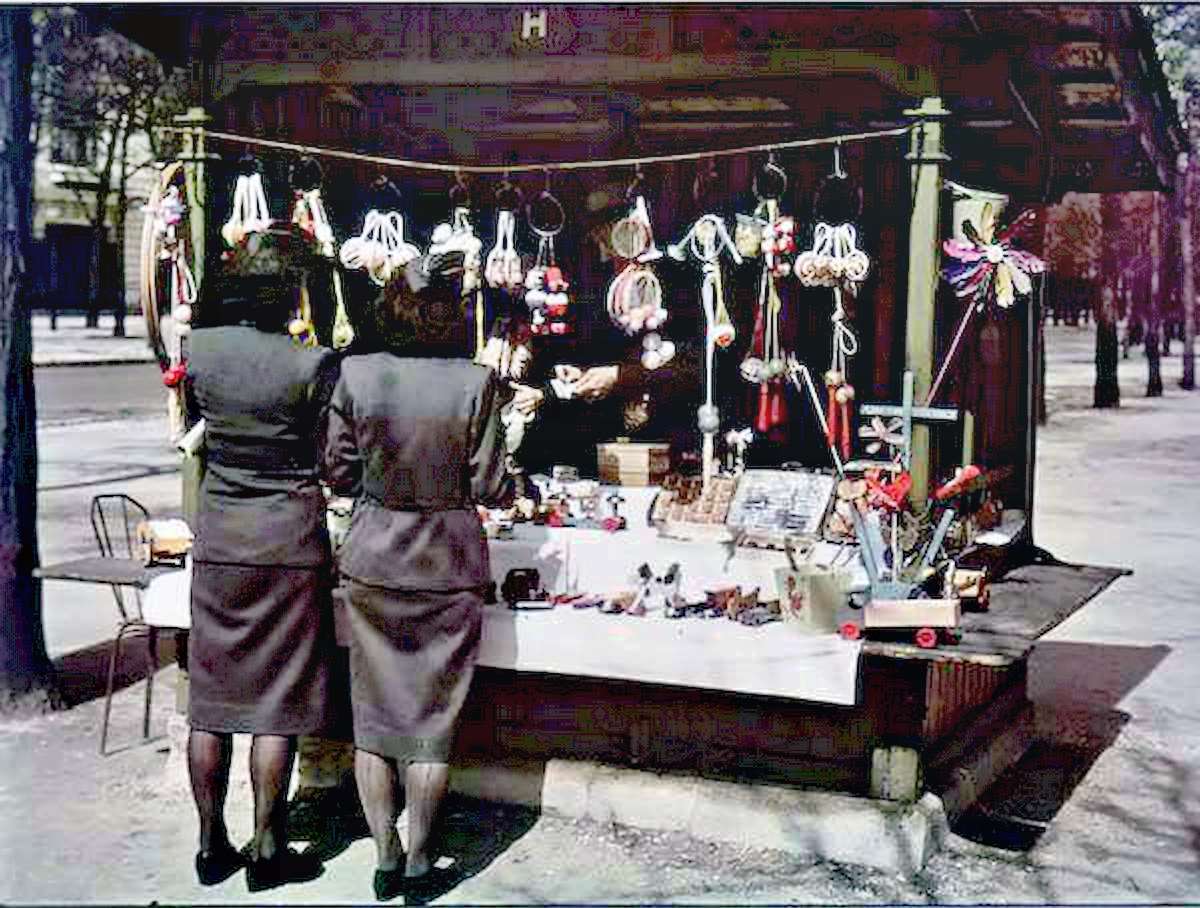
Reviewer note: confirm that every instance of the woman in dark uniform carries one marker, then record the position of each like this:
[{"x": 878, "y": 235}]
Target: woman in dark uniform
[
  {"x": 415, "y": 435},
  {"x": 261, "y": 633}
]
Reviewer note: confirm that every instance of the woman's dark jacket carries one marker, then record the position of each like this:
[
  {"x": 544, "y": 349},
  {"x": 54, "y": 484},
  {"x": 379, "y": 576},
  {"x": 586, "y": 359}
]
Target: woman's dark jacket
[
  {"x": 263, "y": 399},
  {"x": 419, "y": 442}
]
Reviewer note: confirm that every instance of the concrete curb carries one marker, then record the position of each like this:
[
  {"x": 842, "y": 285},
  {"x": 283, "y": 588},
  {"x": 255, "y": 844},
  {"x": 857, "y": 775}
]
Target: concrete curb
[
  {"x": 884, "y": 835},
  {"x": 95, "y": 361}
]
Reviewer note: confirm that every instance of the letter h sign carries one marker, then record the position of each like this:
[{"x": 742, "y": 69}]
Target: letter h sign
[{"x": 533, "y": 24}]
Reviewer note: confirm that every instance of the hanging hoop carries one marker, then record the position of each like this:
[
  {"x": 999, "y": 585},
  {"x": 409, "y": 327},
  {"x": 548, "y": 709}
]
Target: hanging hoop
[
  {"x": 507, "y": 196},
  {"x": 770, "y": 181},
  {"x": 546, "y": 215}
]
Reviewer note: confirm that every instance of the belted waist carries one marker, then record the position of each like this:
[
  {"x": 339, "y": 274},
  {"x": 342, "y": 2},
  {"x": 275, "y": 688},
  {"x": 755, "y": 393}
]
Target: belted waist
[
  {"x": 265, "y": 459},
  {"x": 401, "y": 493},
  {"x": 416, "y": 507}
]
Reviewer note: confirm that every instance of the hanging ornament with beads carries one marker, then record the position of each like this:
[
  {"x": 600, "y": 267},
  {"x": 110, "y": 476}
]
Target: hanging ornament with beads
[
  {"x": 835, "y": 261},
  {"x": 706, "y": 241},
  {"x": 545, "y": 285},
  {"x": 635, "y": 296},
  {"x": 310, "y": 217},
  {"x": 765, "y": 365},
  {"x": 163, "y": 242}
]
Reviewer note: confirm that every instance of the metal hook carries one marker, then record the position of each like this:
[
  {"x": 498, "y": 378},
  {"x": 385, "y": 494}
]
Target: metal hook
[
  {"x": 838, "y": 172},
  {"x": 460, "y": 193}
]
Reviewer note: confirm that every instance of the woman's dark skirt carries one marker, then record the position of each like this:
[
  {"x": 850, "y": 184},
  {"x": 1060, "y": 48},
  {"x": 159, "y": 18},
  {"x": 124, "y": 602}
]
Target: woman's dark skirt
[
  {"x": 412, "y": 657},
  {"x": 260, "y": 651}
]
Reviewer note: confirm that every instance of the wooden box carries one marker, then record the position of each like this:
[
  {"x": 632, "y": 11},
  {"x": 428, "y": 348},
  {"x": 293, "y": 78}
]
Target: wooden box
[
  {"x": 163, "y": 540},
  {"x": 626, "y": 463}
]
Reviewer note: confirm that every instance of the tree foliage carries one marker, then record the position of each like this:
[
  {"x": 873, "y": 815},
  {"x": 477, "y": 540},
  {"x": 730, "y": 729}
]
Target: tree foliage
[
  {"x": 109, "y": 96},
  {"x": 1176, "y": 28}
]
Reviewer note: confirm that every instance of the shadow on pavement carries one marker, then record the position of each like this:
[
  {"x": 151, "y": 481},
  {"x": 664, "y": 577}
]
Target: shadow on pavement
[
  {"x": 82, "y": 674},
  {"x": 1077, "y": 687},
  {"x": 472, "y": 833}
]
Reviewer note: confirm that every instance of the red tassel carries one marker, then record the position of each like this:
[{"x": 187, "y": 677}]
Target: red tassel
[
  {"x": 778, "y": 407},
  {"x": 762, "y": 424},
  {"x": 845, "y": 411},
  {"x": 831, "y": 419}
]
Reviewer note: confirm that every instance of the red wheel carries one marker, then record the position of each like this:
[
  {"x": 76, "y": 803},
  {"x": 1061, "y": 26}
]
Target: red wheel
[
  {"x": 926, "y": 638},
  {"x": 850, "y": 631}
]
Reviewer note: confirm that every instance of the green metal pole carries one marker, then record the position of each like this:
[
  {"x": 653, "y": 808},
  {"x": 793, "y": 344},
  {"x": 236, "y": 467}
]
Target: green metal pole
[
  {"x": 196, "y": 182},
  {"x": 924, "y": 241}
]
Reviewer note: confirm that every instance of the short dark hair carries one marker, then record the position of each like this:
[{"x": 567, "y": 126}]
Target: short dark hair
[{"x": 421, "y": 318}]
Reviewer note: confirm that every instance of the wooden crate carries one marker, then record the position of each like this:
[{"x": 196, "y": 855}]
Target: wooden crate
[{"x": 625, "y": 463}]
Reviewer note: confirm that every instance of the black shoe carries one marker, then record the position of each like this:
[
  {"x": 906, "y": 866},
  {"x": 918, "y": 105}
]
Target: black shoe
[
  {"x": 285, "y": 866},
  {"x": 218, "y": 865},
  {"x": 389, "y": 883},
  {"x": 432, "y": 884}
]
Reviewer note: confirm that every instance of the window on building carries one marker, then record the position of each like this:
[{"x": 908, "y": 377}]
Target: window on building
[{"x": 72, "y": 144}]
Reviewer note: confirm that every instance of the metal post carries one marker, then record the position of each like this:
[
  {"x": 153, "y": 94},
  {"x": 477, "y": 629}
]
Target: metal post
[
  {"x": 196, "y": 181},
  {"x": 924, "y": 241}
]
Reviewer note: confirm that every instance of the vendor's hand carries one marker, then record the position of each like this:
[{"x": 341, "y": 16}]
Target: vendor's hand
[
  {"x": 526, "y": 399},
  {"x": 596, "y": 382}
]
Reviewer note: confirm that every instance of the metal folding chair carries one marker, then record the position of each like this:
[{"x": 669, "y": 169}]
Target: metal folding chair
[{"x": 114, "y": 522}]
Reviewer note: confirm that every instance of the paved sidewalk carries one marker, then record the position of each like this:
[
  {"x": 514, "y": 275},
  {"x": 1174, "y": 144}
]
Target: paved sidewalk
[
  {"x": 1111, "y": 685},
  {"x": 74, "y": 344}
]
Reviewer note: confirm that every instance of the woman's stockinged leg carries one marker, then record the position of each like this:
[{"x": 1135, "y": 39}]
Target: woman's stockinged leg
[
  {"x": 209, "y": 755},
  {"x": 271, "y": 759},
  {"x": 377, "y": 791},
  {"x": 424, "y": 788}
]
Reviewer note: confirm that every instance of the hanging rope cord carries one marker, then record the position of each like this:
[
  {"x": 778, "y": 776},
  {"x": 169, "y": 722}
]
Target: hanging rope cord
[{"x": 500, "y": 169}]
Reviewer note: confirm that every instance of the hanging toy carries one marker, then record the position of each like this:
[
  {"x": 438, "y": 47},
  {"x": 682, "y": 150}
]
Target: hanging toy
[
  {"x": 707, "y": 239},
  {"x": 380, "y": 249},
  {"x": 841, "y": 392},
  {"x": 502, "y": 270},
  {"x": 545, "y": 286},
  {"x": 250, "y": 213},
  {"x": 766, "y": 364},
  {"x": 835, "y": 259},
  {"x": 310, "y": 216},
  {"x": 635, "y": 297},
  {"x": 987, "y": 268},
  {"x": 163, "y": 242},
  {"x": 458, "y": 235}
]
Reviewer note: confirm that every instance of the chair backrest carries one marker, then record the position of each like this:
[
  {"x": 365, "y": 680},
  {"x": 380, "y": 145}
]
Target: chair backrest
[{"x": 114, "y": 521}]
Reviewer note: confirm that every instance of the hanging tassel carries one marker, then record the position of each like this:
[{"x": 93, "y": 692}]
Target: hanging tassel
[
  {"x": 831, "y": 419},
  {"x": 762, "y": 422},
  {"x": 845, "y": 399},
  {"x": 343, "y": 331},
  {"x": 778, "y": 405}
]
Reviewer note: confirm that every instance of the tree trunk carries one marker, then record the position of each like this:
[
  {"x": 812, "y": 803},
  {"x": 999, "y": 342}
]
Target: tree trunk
[
  {"x": 1187, "y": 296},
  {"x": 26, "y": 678},
  {"x": 1154, "y": 384},
  {"x": 1107, "y": 390},
  {"x": 122, "y": 211},
  {"x": 94, "y": 272}
]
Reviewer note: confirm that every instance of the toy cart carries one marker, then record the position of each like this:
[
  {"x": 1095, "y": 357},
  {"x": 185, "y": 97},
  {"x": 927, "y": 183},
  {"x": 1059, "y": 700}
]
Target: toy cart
[{"x": 930, "y": 621}]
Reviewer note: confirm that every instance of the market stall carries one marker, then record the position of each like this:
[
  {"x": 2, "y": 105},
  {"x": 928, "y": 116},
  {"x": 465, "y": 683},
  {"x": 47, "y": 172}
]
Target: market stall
[{"x": 820, "y": 442}]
